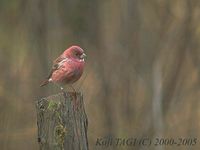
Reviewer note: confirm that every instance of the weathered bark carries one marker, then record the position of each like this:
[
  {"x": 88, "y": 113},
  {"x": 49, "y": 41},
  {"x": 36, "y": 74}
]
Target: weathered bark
[{"x": 62, "y": 122}]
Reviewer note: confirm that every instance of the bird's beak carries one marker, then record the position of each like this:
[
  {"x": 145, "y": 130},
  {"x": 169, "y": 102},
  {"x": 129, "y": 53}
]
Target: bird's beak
[{"x": 83, "y": 55}]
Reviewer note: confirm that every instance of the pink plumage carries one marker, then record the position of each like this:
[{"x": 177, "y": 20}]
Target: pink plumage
[{"x": 68, "y": 67}]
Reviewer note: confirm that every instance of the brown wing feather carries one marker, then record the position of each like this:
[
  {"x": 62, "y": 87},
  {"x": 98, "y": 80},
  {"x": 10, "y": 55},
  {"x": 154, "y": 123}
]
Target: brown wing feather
[{"x": 55, "y": 65}]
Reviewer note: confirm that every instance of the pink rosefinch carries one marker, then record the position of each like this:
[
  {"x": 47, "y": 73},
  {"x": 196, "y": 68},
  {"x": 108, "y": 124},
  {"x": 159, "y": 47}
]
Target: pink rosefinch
[{"x": 67, "y": 68}]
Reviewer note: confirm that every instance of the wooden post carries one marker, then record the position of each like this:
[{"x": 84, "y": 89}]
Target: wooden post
[{"x": 62, "y": 122}]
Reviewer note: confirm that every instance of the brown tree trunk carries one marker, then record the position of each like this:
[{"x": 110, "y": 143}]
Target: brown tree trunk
[{"x": 62, "y": 122}]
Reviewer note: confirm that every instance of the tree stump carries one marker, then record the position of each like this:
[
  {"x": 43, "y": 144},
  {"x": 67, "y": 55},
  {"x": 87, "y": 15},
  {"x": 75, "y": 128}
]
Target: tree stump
[{"x": 62, "y": 122}]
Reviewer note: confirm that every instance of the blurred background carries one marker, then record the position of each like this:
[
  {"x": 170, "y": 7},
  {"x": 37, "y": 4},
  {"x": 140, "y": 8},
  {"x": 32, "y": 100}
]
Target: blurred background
[{"x": 142, "y": 76}]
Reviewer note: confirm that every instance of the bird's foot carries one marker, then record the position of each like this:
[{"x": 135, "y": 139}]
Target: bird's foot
[{"x": 62, "y": 89}]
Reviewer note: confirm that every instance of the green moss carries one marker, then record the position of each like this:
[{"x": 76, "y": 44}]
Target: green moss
[
  {"x": 60, "y": 132},
  {"x": 52, "y": 105}
]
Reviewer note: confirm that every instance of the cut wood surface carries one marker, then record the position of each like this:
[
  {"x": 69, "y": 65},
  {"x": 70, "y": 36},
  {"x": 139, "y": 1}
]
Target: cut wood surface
[{"x": 62, "y": 122}]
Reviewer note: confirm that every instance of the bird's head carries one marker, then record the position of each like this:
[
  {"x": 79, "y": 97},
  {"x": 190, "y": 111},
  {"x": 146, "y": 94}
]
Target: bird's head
[{"x": 75, "y": 52}]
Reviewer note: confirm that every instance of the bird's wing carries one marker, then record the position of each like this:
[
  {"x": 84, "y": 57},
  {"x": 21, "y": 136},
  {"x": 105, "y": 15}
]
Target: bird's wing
[
  {"x": 65, "y": 73},
  {"x": 56, "y": 65}
]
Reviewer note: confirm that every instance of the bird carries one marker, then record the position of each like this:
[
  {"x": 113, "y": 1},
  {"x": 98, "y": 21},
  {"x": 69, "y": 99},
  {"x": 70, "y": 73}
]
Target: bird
[{"x": 67, "y": 68}]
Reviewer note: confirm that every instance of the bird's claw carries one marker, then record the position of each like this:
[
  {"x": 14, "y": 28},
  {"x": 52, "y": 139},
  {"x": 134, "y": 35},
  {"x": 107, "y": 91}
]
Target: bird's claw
[{"x": 61, "y": 88}]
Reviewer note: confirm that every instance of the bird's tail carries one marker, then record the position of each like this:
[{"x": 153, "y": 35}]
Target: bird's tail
[{"x": 45, "y": 82}]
